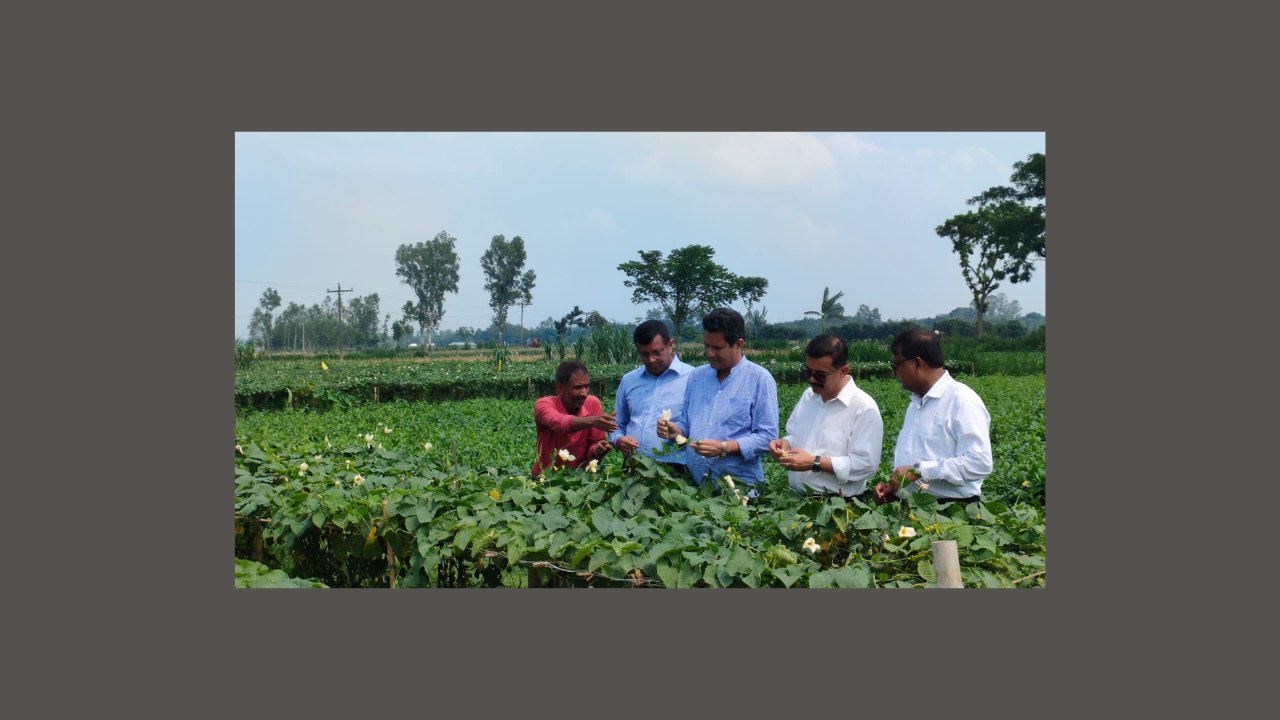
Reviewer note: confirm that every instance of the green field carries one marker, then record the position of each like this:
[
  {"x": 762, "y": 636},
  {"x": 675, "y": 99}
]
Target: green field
[{"x": 613, "y": 529}]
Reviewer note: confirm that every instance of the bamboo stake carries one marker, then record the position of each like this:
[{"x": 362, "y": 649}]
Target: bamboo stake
[{"x": 946, "y": 564}]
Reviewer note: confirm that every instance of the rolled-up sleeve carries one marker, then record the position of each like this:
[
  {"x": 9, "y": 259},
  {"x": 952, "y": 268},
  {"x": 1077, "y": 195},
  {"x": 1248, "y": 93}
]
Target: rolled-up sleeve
[
  {"x": 972, "y": 428},
  {"x": 866, "y": 441},
  {"x": 546, "y": 414}
]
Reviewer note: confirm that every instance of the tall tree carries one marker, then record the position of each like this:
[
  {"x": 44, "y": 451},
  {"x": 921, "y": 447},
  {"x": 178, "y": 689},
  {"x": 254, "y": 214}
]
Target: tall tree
[
  {"x": 595, "y": 321},
  {"x": 686, "y": 281},
  {"x": 527, "y": 282},
  {"x": 830, "y": 308},
  {"x": 269, "y": 302},
  {"x": 985, "y": 258},
  {"x": 503, "y": 264},
  {"x": 867, "y": 316},
  {"x": 1019, "y": 227},
  {"x": 751, "y": 290},
  {"x": 1000, "y": 308},
  {"x": 572, "y": 319},
  {"x": 756, "y": 319},
  {"x": 431, "y": 269}
]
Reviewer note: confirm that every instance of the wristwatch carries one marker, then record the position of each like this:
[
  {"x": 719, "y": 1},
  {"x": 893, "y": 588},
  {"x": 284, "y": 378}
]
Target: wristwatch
[
  {"x": 724, "y": 449},
  {"x": 817, "y": 464}
]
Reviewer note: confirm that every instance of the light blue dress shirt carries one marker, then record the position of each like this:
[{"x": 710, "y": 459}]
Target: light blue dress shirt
[
  {"x": 743, "y": 408},
  {"x": 640, "y": 401}
]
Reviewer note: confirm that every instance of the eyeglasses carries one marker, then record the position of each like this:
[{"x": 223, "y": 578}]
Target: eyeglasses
[
  {"x": 806, "y": 373},
  {"x": 895, "y": 365}
]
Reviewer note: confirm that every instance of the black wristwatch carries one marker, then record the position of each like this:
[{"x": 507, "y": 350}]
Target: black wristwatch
[{"x": 817, "y": 464}]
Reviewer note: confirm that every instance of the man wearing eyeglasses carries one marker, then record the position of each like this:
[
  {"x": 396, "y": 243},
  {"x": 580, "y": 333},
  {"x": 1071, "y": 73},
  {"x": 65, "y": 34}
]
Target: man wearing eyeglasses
[
  {"x": 647, "y": 391},
  {"x": 835, "y": 434},
  {"x": 944, "y": 448},
  {"x": 731, "y": 405}
]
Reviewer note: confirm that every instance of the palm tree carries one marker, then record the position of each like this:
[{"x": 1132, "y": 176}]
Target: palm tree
[{"x": 830, "y": 308}]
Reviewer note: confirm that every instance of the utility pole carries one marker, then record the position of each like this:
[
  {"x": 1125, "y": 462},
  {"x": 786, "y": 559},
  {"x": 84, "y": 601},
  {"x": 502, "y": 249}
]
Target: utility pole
[{"x": 339, "y": 291}]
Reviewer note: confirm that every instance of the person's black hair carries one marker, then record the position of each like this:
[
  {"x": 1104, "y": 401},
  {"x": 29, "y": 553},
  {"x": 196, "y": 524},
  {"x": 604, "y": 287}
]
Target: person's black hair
[
  {"x": 647, "y": 330},
  {"x": 567, "y": 369},
  {"x": 828, "y": 345},
  {"x": 921, "y": 343},
  {"x": 725, "y": 321}
]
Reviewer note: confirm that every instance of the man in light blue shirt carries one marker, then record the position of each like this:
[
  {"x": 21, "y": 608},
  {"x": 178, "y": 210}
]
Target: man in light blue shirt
[
  {"x": 647, "y": 391},
  {"x": 731, "y": 406}
]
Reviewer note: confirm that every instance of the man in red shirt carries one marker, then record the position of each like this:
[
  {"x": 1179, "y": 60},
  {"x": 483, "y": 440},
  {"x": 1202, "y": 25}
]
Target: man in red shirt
[{"x": 571, "y": 420}]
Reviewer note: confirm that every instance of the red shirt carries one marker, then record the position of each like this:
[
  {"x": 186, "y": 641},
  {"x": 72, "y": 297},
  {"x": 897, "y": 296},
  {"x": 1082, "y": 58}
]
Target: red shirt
[{"x": 553, "y": 432}]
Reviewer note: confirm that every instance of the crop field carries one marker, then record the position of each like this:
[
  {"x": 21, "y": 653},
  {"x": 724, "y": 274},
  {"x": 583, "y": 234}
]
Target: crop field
[{"x": 348, "y": 493}]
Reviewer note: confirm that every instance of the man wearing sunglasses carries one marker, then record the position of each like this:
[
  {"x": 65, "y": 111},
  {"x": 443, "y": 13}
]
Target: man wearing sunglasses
[
  {"x": 944, "y": 448},
  {"x": 835, "y": 434}
]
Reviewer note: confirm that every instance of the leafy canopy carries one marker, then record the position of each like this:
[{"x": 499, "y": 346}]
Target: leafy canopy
[{"x": 687, "y": 281}]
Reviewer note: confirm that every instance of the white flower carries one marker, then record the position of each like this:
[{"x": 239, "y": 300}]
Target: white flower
[
  {"x": 811, "y": 546},
  {"x": 666, "y": 414},
  {"x": 239, "y": 449},
  {"x": 326, "y": 442},
  {"x": 380, "y": 446},
  {"x": 924, "y": 486},
  {"x": 368, "y": 438},
  {"x": 386, "y": 430},
  {"x": 378, "y": 425},
  {"x": 591, "y": 466},
  {"x": 744, "y": 502},
  {"x": 337, "y": 483},
  {"x": 565, "y": 456},
  {"x": 317, "y": 457},
  {"x": 730, "y": 481},
  {"x": 302, "y": 467},
  {"x": 357, "y": 479},
  {"x": 905, "y": 531},
  {"x": 426, "y": 446},
  {"x": 348, "y": 464},
  {"x": 681, "y": 440}
]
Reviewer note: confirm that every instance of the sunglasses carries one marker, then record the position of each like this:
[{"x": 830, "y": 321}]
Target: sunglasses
[
  {"x": 806, "y": 373},
  {"x": 895, "y": 365}
]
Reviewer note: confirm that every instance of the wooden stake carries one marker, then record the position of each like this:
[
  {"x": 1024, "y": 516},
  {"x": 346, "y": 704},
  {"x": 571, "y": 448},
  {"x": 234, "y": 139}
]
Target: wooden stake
[{"x": 946, "y": 564}]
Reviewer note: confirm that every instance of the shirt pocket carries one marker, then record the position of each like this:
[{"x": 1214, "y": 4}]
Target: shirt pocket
[{"x": 737, "y": 415}]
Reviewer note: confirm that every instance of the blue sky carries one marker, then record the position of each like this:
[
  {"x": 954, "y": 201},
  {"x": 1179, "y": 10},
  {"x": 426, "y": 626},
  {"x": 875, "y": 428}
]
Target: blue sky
[{"x": 852, "y": 211}]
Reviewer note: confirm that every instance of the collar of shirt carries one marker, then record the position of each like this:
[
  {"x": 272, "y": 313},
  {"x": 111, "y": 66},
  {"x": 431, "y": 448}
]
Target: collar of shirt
[{"x": 937, "y": 391}]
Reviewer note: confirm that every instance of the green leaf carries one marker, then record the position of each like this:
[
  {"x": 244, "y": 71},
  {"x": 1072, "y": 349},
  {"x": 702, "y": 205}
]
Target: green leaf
[
  {"x": 669, "y": 576},
  {"x": 739, "y": 562},
  {"x": 789, "y": 574},
  {"x": 688, "y": 575},
  {"x": 601, "y": 557},
  {"x": 462, "y": 538},
  {"x": 852, "y": 576},
  {"x": 318, "y": 519}
]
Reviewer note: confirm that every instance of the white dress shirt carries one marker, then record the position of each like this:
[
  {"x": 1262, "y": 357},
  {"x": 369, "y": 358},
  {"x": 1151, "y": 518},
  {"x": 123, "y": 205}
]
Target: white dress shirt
[
  {"x": 948, "y": 431},
  {"x": 847, "y": 429}
]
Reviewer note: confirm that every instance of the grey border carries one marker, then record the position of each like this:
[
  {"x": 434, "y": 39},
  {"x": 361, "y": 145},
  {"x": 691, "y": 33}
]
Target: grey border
[{"x": 754, "y": 67}]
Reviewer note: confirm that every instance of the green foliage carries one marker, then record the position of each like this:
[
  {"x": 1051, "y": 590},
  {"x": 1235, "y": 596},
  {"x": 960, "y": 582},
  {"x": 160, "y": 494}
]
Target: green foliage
[
  {"x": 503, "y": 265},
  {"x": 687, "y": 280},
  {"x": 608, "y": 522},
  {"x": 829, "y": 309},
  {"x": 250, "y": 574},
  {"x": 246, "y": 356},
  {"x": 430, "y": 269}
]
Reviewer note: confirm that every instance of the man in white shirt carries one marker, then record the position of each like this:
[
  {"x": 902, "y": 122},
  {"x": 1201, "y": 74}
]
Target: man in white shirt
[
  {"x": 835, "y": 434},
  {"x": 944, "y": 448}
]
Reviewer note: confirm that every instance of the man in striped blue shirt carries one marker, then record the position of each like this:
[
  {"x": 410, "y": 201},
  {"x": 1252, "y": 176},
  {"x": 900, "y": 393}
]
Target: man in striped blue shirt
[
  {"x": 646, "y": 392},
  {"x": 731, "y": 406}
]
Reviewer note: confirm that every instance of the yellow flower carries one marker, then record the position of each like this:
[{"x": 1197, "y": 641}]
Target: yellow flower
[
  {"x": 913, "y": 516},
  {"x": 905, "y": 532},
  {"x": 323, "y": 366},
  {"x": 1026, "y": 483},
  {"x": 806, "y": 527},
  {"x": 811, "y": 546},
  {"x": 494, "y": 494},
  {"x": 357, "y": 480}
]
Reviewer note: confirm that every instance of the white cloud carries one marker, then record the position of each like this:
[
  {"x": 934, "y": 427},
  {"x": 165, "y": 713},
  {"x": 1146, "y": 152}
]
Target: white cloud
[
  {"x": 853, "y": 147},
  {"x": 741, "y": 160}
]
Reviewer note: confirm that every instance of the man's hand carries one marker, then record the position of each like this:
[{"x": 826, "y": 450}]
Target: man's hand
[
  {"x": 668, "y": 430},
  {"x": 904, "y": 474},
  {"x": 779, "y": 446},
  {"x": 607, "y": 422},
  {"x": 885, "y": 492},
  {"x": 627, "y": 445},
  {"x": 796, "y": 460},
  {"x": 708, "y": 448},
  {"x": 601, "y": 448}
]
